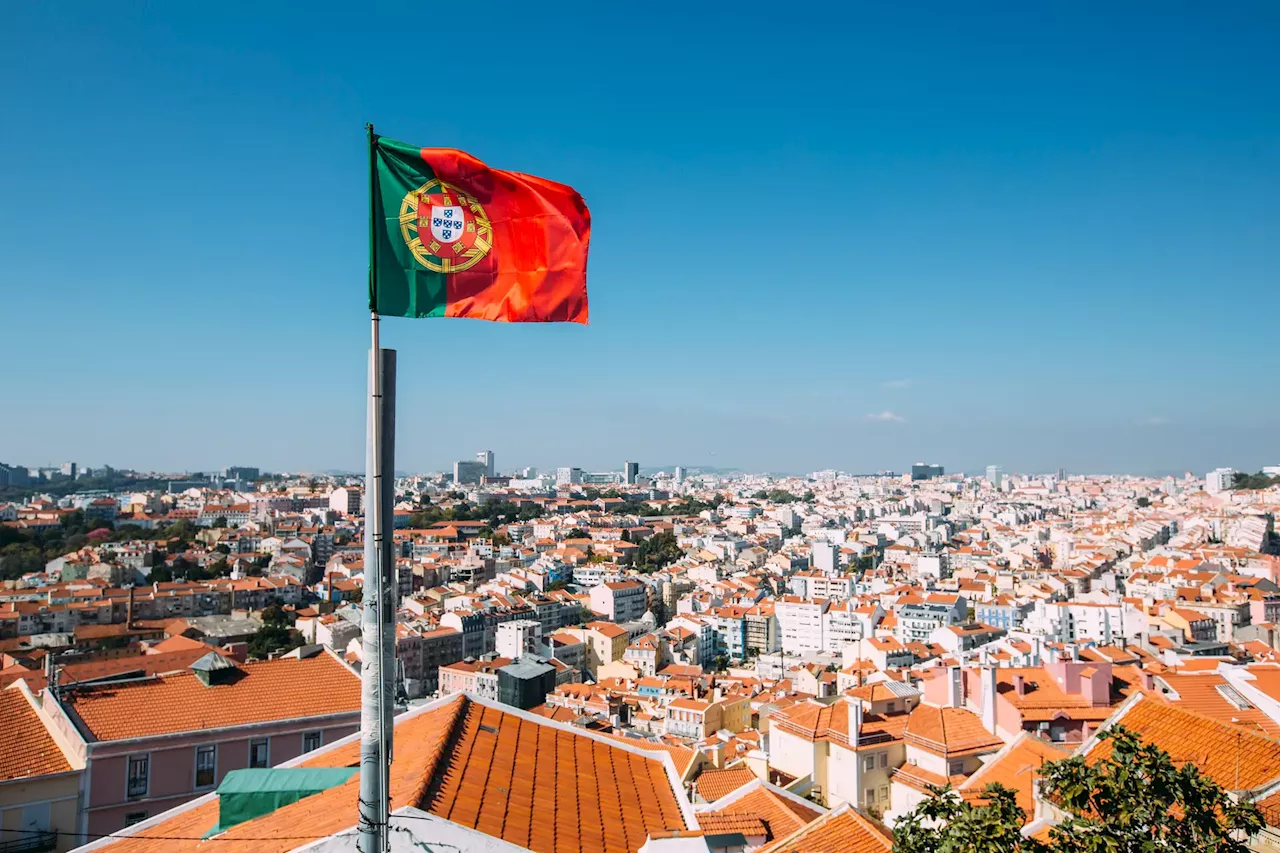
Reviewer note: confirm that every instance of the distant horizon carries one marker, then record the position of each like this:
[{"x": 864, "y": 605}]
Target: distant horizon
[{"x": 402, "y": 471}]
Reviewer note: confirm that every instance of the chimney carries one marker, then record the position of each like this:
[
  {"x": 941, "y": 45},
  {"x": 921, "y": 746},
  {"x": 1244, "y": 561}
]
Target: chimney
[
  {"x": 855, "y": 718},
  {"x": 989, "y": 699},
  {"x": 1148, "y": 681},
  {"x": 1036, "y": 652},
  {"x": 955, "y": 687},
  {"x": 128, "y": 617}
]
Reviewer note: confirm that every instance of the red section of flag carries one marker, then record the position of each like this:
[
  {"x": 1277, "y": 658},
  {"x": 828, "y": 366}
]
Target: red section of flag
[{"x": 536, "y": 270}]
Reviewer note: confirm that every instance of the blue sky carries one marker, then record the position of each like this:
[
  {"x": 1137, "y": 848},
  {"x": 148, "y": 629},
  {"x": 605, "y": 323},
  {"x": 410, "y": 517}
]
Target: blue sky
[{"x": 843, "y": 235}]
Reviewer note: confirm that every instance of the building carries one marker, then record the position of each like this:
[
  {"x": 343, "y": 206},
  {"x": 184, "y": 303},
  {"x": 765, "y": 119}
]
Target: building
[
  {"x": 518, "y": 637},
  {"x": 540, "y": 782},
  {"x": 800, "y": 624},
  {"x": 468, "y": 472},
  {"x": 619, "y": 601},
  {"x": 40, "y": 776},
  {"x": 606, "y": 643},
  {"x": 926, "y": 471},
  {"x": 568, "y": 476},
  {"x": 524, "y": 683},
  {"x": 630, "y": 473},
  {"x": 346, "y": 500},
  {"x": 242, "y": 473},
  {"x": 994, "y": 475},
  {"x": 1219, "y": 480},
  {"x": 679, "y": 474},
  {"x": 69, "y": 469},
  {"x": 151, "y": 745},
  {"x": 485, "y": 458}
]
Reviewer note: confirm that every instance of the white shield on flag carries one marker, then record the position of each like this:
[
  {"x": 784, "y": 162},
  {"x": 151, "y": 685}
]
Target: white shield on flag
[{"x": 446, "y": 223}]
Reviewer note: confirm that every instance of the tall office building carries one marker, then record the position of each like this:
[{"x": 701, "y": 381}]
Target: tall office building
[
  {"x": 485, "y": 458},
  {"x": 923, "y": 471},
  {"x": 994, "y": 475},
  {"x": 69, "y": 469},
  {"x": 467, "y": 472},
  {"x": 568, "y": 476},
  {"x": 679, "y": 474},
  {"x": 1219, "y": 480},
  {"x": 630, "y": 473}
]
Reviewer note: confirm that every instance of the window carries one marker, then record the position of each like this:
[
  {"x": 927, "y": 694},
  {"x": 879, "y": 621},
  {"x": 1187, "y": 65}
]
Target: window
[
  {"x": 139, "y": 767},
  {"x": 131, "y": 818},
  {"x": 884, "y": 760},
  {"x": 884, "y": 793},
  {"x": 206, "y": 766},
  {"x": 956, "y": 768},
  {"x": 868, "y": 764},
  {"x": 260, "y": 752},
  {"x": 310, "y": 741},
  {"x": 869, "y": 795}
]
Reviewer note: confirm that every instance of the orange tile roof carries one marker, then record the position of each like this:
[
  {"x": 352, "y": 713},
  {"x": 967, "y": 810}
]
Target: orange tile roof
[
  {"x": 26, "y": 747},
  {"x": 1234, "y": 757},
  {"x": 949, "y": 731},
  {"x": 781, "y": 815},
  {"x": 485, "y": 768},
  {"x": 715, "y": 824},
  {"x": 842, "y": 831},
  {"x": 714, "y": 784},
  {"x": 270, "y": 690},
  {"x": 1016, "y": 767},
  {"x": 1206, "y": 693}
]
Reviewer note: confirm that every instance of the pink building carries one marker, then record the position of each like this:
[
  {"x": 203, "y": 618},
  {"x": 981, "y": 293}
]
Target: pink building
[{"x": 152, "y": 744}]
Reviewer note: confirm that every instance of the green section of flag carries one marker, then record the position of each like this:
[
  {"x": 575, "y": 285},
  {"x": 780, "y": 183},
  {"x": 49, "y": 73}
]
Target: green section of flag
[{"x": 398, "y": 285}]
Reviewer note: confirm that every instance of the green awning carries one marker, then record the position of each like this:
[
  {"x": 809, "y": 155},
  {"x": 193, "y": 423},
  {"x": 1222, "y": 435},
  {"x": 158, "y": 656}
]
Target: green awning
[{"x": 248, "y": 794}]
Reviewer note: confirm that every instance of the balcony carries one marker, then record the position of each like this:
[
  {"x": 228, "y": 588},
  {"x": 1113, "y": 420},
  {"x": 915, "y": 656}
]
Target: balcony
[{"x": 35, "y": 842}]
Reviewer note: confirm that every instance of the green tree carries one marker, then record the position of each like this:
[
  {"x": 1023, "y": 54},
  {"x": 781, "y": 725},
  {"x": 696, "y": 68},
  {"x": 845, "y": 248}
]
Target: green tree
[
  {"x": 658, "y": 551},
  {"x": 1136, "y": 800},
  {"x": 220, "y": 521},
  {"x": 1144, "y": 502},
  {"x": 577, "y": 533},
  {"x": 945, "y": 823}
]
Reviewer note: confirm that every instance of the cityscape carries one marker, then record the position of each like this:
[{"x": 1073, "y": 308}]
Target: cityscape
[
  {"x": 792, "y": 657},
  {"x": 615, "y": 428}
]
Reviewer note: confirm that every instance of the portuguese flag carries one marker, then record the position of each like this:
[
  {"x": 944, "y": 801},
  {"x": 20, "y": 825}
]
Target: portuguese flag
[{"x": 451, "y": 237}]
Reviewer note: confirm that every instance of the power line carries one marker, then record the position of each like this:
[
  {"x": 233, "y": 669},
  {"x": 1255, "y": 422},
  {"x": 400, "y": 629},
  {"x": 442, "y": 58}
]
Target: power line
[{"x": 95, "y": 836}]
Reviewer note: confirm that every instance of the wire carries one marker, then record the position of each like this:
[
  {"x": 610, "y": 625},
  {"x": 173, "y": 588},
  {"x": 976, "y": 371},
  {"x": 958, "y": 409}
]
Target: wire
[{"x": 94, "y": 836}]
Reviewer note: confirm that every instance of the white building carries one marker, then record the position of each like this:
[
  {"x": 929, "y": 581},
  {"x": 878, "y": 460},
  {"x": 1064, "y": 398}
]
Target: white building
[
  {"x": 518, "y": 637},
  {"x": 347, "y": 501},
  {"x": 1219, "y": 480},
  {"x": 800, "y": 624}
]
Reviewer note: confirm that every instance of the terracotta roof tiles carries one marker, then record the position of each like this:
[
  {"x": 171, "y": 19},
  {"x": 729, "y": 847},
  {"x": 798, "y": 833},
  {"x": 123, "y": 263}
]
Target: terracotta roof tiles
[
  {"x": 271, "y": 690},
  {"x": 26, "y": 747}
]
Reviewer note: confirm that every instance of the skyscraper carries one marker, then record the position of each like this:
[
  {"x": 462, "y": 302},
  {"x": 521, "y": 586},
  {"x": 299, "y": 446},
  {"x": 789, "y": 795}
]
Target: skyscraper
[
  {"x": 468, "y": 472},
  {"x": 994, "y": 475},
  {"x": 679, "y": 473},
  {"x": 630, "y": 473},
  {"x": 925, "y": 471},
  {"x": 485, "y": 458}
]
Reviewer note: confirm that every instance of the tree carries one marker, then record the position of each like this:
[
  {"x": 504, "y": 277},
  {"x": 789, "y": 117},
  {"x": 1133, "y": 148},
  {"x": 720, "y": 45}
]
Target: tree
[
  {"x": 222, "y": 548},
  {"x": 1135, "y": 800},
  {"x": 1144, "y": 502},
  {"x": 1240, "y": 480},
  {"x": 220, "y": 521},
  {"x": 577, "y": 533},
  {"x": 946, "y": 823},
  {"x": 658, "y": 551}
]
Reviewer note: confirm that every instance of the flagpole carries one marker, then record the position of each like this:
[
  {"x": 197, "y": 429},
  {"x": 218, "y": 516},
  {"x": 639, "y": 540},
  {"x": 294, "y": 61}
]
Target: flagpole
[{"x": 374, "y": 752}]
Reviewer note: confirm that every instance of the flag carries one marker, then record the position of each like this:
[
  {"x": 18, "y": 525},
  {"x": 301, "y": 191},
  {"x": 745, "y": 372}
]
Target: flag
[{"x": 452, "y": 237}]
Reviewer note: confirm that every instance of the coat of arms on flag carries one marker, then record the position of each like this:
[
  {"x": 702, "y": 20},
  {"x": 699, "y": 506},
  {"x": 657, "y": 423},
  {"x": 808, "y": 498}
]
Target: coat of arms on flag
[{"x": 445, "y": 229}]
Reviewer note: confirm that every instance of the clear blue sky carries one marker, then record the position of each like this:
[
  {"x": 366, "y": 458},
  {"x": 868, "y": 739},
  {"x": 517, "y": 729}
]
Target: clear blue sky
[{"x": 840, "y": 235}]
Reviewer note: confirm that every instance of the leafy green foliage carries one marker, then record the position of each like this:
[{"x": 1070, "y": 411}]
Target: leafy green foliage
[
  {"x": 577, "y": 533},
  {"x": 657, "y": 552},
  {"x": 494, "y": 514},
  {"x": 945, "y": 823},
  {"x": 1126, "y": 803},
  {"x": 1134, "y": 801},
  {"x": 1253, "y": 481}
]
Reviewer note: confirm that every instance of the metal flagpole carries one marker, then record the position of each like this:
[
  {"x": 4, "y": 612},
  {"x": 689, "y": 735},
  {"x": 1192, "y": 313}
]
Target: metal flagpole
[{"x": 374, "y": 758}]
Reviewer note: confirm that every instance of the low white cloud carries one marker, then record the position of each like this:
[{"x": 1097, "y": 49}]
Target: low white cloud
[
  {"x": 1154, "y": 421},
  {"x": 896, "y": 384},
  {"x": 885, "y": 417}
]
